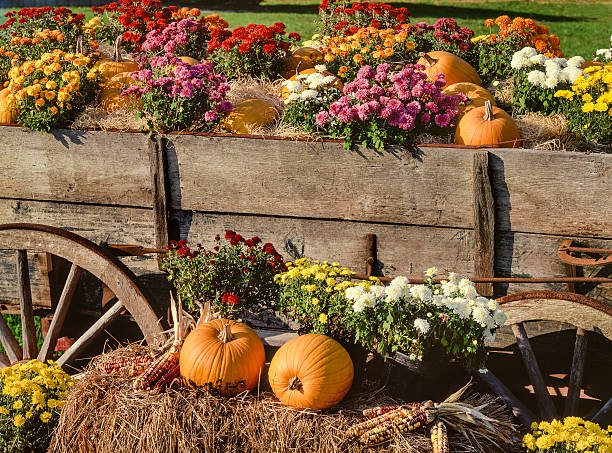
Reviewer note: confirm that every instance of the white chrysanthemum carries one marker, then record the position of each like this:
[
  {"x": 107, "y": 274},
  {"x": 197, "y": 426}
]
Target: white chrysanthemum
[
  {"x": 529, "y": 51},
  {"x": 421, "y": 292},
  {"x": 469, "y": 292},
  {"x": 464, "y": 282},
  {"x": 354, "y": 292},
  {"x": 431, "y": 272},
  {"x": 393, "y": 293},
  {"x": 321, "y": 67},
  {"x": 538, "y": 59},
  {"x": 421, "y": 325},
  {"x": 519, "y": 61},
  {"x": 536, "y": 78},
  {"x": 329, "y": 80},
  {"x": 575, "y": 62},
  {"x": 480, "y": 314},
  {"x": 551, "y": 82},
  {"x": 292, "y": 97},
  {"x": 293, "y": 86},
  {"x": 308, "y": 94},
  {"x": 605, "y": 53},
  {"x": 462, "y": 308},
  {"x": 449, "y": 288},
  {"x": 368, "y": 299},
  {"x": 314, "y": 80},
  {"x": 500, "y": 318},
  {"x": 378, "y": 291},
  {"x": 400, "y": 281},
  {"x": 492, "y": 305},
  {"x": 358, "y": 306},
  {"x": 453, "y": 278},
  {"x": 570, "y": 74},
  {"x": 438, "y": 300}
]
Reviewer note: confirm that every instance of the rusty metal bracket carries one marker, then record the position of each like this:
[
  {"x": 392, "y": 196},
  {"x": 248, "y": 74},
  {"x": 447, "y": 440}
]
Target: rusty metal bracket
[{"x": 565, "y": 254}]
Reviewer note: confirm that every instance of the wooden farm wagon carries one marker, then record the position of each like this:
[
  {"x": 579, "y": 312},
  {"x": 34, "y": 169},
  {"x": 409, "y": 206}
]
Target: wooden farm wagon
[{"x": 498, "y": 216}]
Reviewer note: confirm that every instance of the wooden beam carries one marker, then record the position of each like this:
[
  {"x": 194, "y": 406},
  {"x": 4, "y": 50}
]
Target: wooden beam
[
  {"x": 484, "y": 222},
  {"x": 603, "y": 412},
  {"x": 575, "y": 383},
  {"x": 90, "y": 334},
  {"x": 4, "y": 361},
  {"x": 48, "y": 347},
  {"x": 519, "y": 410},
  {"x": 25, "y": 304},
  {"x": 9, "y": 343},
  {"x": 157, "y": 166},
  {"x": 545, "y": 403}
]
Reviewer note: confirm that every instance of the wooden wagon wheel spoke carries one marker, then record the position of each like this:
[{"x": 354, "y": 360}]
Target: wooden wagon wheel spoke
[
  {"x": 48, "y": 346},
  {"x": 9, "y": 343},
  {"x": 91, "y": 333},
  {"x": 547, "y": 408},
  {"x": 25, "y": 305},
  {"x": 575, "y": 383},
  {"x": 586, "y": 314},
  {"x": 4, "y": 361},
  {"x": 84, "y": 255}
]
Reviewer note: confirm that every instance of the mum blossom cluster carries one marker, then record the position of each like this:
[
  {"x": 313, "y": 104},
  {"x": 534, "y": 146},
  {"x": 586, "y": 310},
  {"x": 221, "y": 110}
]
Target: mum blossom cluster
[
  {"x": 552, "y": 70},
  {"x": 309, "y": 86},
  {"x": 444, "y": 30},
  {"x": 403, "y": 99},
  {"x": 176, "y": 34},
  {"x": 605, "y": 54}
]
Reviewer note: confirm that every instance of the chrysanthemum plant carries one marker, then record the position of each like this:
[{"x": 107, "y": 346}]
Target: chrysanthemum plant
[
  {"x": 51, "y": 91},
  {"x": 436, "y": 321},
  {"x": 236, "y": 274},
  {"x": 185, "y": 37},
  {"x": 32, "y": 395},
  {"x": 570, "y": 435},
  {"x": 381, "y": 107},
  {"x": 254, "y": 50},
  {"x": 308, "y": 95},
  {"x": 537, "y": 77},
  {"x": 588, "y": 105}
]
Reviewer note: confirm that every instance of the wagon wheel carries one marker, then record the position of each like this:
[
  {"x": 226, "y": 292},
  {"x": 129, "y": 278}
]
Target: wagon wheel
[
  {"x": 83, "y": 255},
  {"x": 582, "y": 312}
]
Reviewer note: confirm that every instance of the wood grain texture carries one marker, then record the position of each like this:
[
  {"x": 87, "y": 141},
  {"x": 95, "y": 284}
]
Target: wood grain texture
[
  {"x": 28, "y": 330},
  {"x": 9, "y": 343},
  {"x": 577, "y": 371},
  {"x": 157, "y": 166},
  {"x": 75, "y": 166},
  {"x": 484, "y": 223}
]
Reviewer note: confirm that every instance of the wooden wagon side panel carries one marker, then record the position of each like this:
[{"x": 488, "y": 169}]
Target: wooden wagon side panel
[{"x": 75, "y": 166}]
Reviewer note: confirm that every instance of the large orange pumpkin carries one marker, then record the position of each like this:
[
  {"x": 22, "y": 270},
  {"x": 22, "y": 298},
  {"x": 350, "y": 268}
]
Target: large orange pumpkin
[
  {"x": 8, "y": 111},
  {"x": 222, "y": 355},
  {"x": 487, "y": 125},
  {"x": 302, "y": 58},
  {"x": 110, "y": 96},
  {"x": 337, "y": 83},
  {"x": 189, "y": 60},
  {"x": 477, "y": 96},
  {"x": 109, "y": 68},
  {"x": 248, "y": 115},
  {"x": 454, "y": 68},
  {"x": 311, "y": 371}
]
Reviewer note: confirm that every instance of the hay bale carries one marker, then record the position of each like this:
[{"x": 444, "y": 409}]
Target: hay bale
[{"x": 105, "y": 414}]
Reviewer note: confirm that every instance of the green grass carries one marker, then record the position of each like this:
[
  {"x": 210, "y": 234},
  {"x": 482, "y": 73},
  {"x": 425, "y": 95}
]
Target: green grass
[
  {"x": 583, "y": 26},
  {"x": 14, "y": 324}
]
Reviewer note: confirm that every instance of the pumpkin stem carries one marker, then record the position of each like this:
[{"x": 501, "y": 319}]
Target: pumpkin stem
[
  {"x": 428, "y": 58},
  {"x": 294, "y": 383},
  {"x": 117, "y": 56},
  {"x": 78, "y": 48},
  {"x": 488, "y": 116},
  {"x": 226, "y": 334}
]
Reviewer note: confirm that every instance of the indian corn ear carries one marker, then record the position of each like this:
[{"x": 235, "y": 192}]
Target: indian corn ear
[
  {"x": 373, "y": 412},
  {"x": 439, "y": 438},
  {"x": 385, "y": 431},
  {"x": 159, "y": 373},
  {"x": 134, "y": 365},
  {"x": 360, "y": 428}
]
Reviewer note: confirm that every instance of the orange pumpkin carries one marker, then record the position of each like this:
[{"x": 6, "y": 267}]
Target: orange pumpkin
[
  {"x": 488, "y": 125},
  {"x": 189, "y": 60},
  {"x": 337, "y": 83},
  {"x": 110, "y": 96},
  {"x": 311, "y": 371},
  {"x": 8, "y": 110},
  {"x": 302, "y": 58},
  {"x": 589, "y": 63},
  {"x": 109, "y": 68},
  {"x": 222, "y": 355},
  {"x": 455, "y": 69},
  {"x": 477, "y": 96},
  {"x": 248, "y": 115}
]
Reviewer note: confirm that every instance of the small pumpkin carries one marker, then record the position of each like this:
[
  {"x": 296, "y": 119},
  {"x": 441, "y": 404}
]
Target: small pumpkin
[
  {"x": 337, "y": 83},
  {"x": 189, "y": 60},
  {"x": 248, "y": 115},
  {"x": 487, "y": 125},
  {"x": 477, "y": 96},
  {"x": 110, "y": 96},
  {"x": 454, "y": 68},
  {"x": 589, "y": 63},
  {"x": 222, "y": 355},
  {"x": 109, "y": 68},
  {"x": 301, "y": 58},
  {"x": 8, "y": 110},
  {"x": 311, "y": 371}
]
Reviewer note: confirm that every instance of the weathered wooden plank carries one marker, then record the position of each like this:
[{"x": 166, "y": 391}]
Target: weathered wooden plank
[
  {"x": 9, "y": 343},
  {"x": 157, "y": 162},
  {"x": 552, "y": 192},
  {"x": 28, "y": 330},
  {"x": 320, "y": 180},
  {"x": 547, "y": 408},
  {"x": 484, "y": 223},
  {"x": 575, "y": 384},
  {"x": 75, "y": 166}
]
